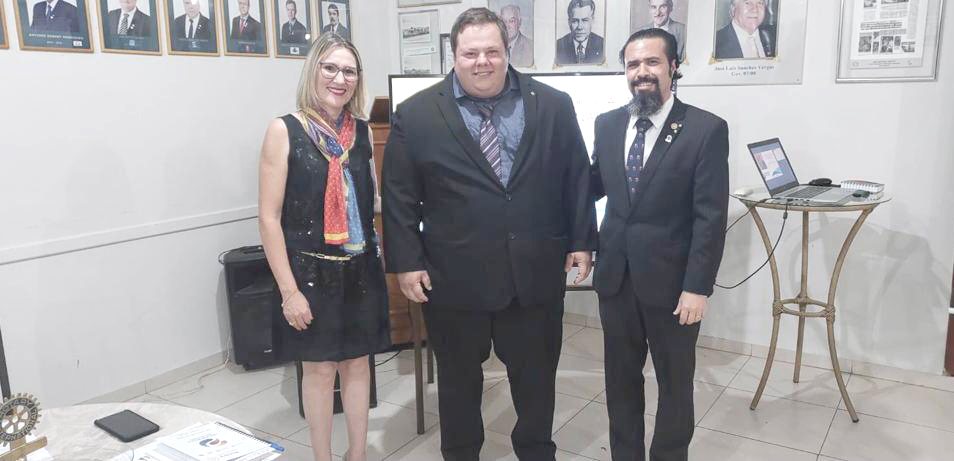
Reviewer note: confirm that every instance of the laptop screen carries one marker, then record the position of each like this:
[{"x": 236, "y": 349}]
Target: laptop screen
[{"x": 773, "y": 164}]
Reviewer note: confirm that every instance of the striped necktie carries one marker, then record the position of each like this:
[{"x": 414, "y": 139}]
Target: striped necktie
[{"x": 489, "y": 143}]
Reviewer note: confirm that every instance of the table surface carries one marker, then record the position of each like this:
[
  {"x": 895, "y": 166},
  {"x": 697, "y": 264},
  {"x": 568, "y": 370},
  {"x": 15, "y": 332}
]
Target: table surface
[
  {"x": 72, "y": 436},
  {"x": 759, "y": 194}
]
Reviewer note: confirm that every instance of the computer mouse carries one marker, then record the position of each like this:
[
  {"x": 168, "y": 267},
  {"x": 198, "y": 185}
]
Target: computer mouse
[
  {"x": 742, "y": 191},
  {"x": 861, "y": 193}
]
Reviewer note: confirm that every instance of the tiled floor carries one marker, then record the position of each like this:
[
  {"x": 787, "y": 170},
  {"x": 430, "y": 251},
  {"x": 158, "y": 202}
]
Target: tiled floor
[{"x": 794, "y": 421}]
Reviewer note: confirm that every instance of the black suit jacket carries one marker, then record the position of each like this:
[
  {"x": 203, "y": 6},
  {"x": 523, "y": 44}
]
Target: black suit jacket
[
  {"x": 203, "y": 29},
  {"x": 566, "y": 50},
  {"x": 727, "y": 42},
  {"x": 672, "y": 237},
  {"x": 482, "y": 243},
  {"x": 65, "y": 18},
  {"x": 252, "y": 28},
  {"x": 138, "y": 27},
  {"x": 293, "y": 34}
]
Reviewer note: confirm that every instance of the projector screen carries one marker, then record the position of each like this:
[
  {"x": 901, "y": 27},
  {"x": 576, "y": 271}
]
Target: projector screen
[{"x": 592, "y": 94}]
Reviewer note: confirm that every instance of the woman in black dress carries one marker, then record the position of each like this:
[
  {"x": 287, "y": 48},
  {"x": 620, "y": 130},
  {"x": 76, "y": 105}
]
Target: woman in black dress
[{"x": 316, "y": 207}]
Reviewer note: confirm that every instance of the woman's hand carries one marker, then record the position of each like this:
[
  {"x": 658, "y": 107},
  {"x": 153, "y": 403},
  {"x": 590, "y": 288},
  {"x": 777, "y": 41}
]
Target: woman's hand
[{"x": 297, "y": 311}]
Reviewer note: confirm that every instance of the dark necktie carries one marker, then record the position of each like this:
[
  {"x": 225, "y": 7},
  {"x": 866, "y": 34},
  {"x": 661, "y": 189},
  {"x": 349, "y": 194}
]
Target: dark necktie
[
  {"x": 124, "y": 24},
  {"x": 634, "y": 160},
  {"x": 242, "y": 28},
  {"x": 579, "y": 53},
  {"x": 49, "y": 11},
  {"x": 189, "y": 33},
  {"x": 489, "y": 144}
]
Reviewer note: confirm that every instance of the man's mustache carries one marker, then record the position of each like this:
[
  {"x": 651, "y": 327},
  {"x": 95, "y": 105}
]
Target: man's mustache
[{"x": 640, "y": 80}]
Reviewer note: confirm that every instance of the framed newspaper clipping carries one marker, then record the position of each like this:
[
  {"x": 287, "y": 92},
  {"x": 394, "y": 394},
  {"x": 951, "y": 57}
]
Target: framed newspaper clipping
[{"x": 889, "y": 40}]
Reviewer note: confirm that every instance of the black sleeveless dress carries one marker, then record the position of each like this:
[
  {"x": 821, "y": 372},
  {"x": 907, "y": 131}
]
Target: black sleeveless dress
[{"x": 348, "y": 298}]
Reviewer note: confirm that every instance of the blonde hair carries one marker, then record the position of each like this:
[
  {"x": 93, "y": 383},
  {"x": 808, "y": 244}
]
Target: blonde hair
[{"x": 307, "y": 94}]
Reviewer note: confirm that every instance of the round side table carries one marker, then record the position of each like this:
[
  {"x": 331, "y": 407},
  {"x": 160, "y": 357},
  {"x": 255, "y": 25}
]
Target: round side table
[{"x": 761, "y": 200}]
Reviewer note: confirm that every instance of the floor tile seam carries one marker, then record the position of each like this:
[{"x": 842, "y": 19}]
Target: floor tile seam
[
  {"x": 885, "y": 418},
  {"x": 757, "y": 440},
  {"x": 765, "y": 392},
  {"x": 251, "y": 395},
  {"x": 571, "y": 419},
  {"x": 906, "y": 383},
  {"x": 828, "y": 432},
  {"x": 786, "y": 398},
  {"x": 579, "y": 356}
]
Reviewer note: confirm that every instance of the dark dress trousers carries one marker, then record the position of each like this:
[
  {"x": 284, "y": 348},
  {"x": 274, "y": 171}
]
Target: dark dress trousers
[
  {"x": 138, "y": 25},
  {"x": 252, "y": 28},
  {"x": 203, "y": 28},
  {"x": 727, "y": 42},
  {"x": 494, "y": 253},
  {"x": 566, "y": 50},
  {"x": 668, "y": 240},
  {"x": 65, "y": 19},
  {"x": 293, "y": 34}
]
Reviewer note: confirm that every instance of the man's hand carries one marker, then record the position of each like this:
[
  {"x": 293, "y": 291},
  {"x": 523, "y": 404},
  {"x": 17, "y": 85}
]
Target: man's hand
[
  {"x": 691, "y": 308},
  {"x": 581, "y": 259},
  {"x": 413, "y": 285}
]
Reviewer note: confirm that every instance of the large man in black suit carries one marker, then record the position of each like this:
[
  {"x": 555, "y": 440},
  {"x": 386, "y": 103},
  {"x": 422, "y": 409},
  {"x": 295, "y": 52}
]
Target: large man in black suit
[
  {"x": 192, "y": 24},
  {"x": 293, "y": 31},
  {"x": 55, "y": 16},
  {"x": 663, "y": 166},
  {"x": 128, "y": 20},
  {"x": 245, "y": 27},
  {"x": 581, "y": 45},
  {"x": 493, "y": 164},
  {"x": 746, "y": 36}
]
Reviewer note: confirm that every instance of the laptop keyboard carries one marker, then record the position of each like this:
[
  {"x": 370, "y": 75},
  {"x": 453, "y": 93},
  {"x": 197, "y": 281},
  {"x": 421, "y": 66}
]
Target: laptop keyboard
[{"x": 808, "y": 192}]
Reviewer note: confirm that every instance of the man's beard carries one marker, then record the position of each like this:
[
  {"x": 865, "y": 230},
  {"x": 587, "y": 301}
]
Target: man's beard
[{"x": 645, "y": 103}]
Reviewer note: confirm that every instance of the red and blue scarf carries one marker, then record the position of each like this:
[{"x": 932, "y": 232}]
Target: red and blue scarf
[{"x": 342, "y": 219}]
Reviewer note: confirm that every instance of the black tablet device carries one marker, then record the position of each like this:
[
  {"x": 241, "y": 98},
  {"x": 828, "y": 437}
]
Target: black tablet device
[{"x": 126, "y": 425}]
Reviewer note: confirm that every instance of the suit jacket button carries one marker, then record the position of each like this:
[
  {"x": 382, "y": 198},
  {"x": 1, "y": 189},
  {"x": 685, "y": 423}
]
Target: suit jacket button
[
  {"x": 509, "y": 197},
  {"x": 512, "y": 236}
]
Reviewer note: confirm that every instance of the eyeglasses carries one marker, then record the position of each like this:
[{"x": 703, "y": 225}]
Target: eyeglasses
[{"x": 330, "y": 71}]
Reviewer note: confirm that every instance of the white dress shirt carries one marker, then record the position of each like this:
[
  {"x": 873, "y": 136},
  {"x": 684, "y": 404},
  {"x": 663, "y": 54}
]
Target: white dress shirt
[
  {"x": 751, "y": 43},
  {"x": 652, "y": 134}
]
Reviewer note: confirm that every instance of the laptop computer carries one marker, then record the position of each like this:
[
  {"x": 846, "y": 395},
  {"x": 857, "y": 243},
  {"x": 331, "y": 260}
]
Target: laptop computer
[{"x": 780, "y": 180}]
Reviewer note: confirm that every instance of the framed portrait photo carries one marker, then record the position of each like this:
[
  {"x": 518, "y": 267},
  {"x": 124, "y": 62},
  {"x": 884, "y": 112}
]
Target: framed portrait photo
[
  {"x": 753, "y": 42},
  {"x": 244, "y": 22},
  {"x": 129, "y": 26},
  {"x": 580, "y": 30},
  {"x": 59, "y": 25},
  {"x": 4, "y": 41},
  {"x": 334, "y": 16},
  {"x": 889, "y": 40},
  {"x": 517, "y": 15},
  {"x": 293, "y": 28},
  {"x": 669, "y": 15},
  {"x": 191, "y": 27}
]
